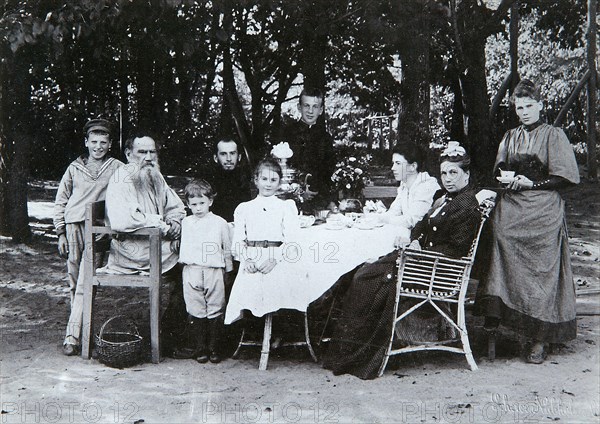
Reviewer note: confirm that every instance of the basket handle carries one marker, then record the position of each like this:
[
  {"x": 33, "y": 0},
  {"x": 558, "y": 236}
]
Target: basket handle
[{"x": 101, "y": 333}]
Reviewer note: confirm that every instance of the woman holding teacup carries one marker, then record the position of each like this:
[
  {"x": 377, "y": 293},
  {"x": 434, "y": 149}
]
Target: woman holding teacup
[{"x": 529, "y": 286}]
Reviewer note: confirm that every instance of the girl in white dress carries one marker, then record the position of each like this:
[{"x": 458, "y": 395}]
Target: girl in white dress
[{"x": 271, "y": 276}]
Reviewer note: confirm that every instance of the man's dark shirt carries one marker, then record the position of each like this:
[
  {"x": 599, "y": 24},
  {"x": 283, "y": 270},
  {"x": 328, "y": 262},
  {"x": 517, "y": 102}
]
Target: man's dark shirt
[
  {"x": 232, "y": 188},
  {"x": 313, "y": 153}
]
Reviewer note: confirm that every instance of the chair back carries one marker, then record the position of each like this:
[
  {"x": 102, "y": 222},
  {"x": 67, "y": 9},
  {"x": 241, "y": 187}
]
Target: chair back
[
  {"x": 424, "y": 275},
  {"x": 97, "y": 237},
  {"x": 486, "y": 205},
  {"x": 98, "y": 212},
  {"x": 386, "y": 194},
  {"x": 431, "y": 275}
]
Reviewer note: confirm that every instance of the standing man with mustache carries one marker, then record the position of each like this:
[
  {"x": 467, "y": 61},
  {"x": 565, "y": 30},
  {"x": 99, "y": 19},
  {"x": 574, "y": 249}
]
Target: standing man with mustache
[{"x": 229, "y": 178}]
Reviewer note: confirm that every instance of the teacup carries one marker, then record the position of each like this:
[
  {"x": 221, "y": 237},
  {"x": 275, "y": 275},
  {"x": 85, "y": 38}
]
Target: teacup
[
  {"x": 322, "y": 214},
  {"x": 507, "y": 174}
]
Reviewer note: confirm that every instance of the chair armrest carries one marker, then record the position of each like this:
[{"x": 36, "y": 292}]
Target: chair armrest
[
  {"x": 426, "y": 254},
  {"x": 143, "y": 232}
]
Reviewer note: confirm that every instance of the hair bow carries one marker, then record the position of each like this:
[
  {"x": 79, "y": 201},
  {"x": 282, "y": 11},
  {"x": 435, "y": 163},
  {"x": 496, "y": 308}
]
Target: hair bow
[
  {"x": 454, "y": 149},
  {"x": 282, "y": 150}
]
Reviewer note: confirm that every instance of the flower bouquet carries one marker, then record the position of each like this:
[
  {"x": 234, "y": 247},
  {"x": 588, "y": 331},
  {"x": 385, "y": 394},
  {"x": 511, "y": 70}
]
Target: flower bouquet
[{"x": 350, "y": 177}]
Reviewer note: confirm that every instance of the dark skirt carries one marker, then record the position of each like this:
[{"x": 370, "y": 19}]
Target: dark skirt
[
  {"x": 529, "y": 285},
  {"x": 357, "y": 315},
  {"x": 360, "y": 309}
]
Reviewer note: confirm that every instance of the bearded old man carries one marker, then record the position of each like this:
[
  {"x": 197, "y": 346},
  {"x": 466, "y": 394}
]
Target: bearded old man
[{"x": 137, "y": 197}]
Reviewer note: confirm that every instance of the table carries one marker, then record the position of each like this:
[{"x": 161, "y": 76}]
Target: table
[
  {"x": 328, "y": 254},
  {"x": 320, "y": 258}
]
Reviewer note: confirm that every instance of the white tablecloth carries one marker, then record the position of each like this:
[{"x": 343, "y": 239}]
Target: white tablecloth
[
  {"x": 323, "y": 256},
  {"x": 328, "y": 254}
]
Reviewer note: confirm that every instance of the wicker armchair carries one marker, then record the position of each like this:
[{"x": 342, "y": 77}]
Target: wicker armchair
[{"x": 430, "y": 278}]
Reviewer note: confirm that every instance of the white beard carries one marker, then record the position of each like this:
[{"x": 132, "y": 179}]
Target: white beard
[{"x": 148, "y": 179}]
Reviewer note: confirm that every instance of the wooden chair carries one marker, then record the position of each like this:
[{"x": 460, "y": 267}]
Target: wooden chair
[
  {"x": 430, "y": 278},
  {"x": 386, "y": 194},
  {"x": 94, "y": 225},
  {"x": 266, "y": 342}
]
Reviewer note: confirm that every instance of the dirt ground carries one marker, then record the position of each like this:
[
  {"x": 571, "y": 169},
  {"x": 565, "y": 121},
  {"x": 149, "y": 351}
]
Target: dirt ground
[{"x": 40, "y": 385}]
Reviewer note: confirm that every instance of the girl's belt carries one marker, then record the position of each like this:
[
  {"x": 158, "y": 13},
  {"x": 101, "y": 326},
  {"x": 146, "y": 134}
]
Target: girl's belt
[{"x": 263, "y": 243}]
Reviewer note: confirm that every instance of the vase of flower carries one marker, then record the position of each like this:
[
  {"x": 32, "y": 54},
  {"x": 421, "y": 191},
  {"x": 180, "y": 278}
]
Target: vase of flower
[{"x": 350, "y": 177}]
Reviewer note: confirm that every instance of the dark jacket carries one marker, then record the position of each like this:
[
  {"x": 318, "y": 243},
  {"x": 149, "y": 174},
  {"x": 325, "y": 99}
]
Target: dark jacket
[
  {"x": 313, "y": 153},
  {"x": 231, "y": 187},
  {"x": 453, "y": 229}
]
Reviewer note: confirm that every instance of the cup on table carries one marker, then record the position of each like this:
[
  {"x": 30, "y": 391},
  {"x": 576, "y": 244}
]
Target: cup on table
[{"x": 322, "y": 214}]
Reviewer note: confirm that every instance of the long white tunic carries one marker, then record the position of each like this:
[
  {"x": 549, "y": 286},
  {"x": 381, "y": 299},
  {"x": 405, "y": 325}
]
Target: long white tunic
[{"x": 127, "y": 210}]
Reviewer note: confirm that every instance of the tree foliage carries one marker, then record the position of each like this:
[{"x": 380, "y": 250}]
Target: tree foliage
[{"x": 191, "y": 70}]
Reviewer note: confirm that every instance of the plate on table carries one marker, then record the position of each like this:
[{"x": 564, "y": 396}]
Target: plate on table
[
  {"x": 335, "y": 225},
  {"x": 505, "y": 180},
  {"x": 364, "y": 225}
]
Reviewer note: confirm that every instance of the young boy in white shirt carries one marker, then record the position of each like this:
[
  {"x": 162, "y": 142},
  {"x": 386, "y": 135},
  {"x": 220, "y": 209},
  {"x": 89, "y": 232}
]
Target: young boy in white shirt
[{"x": 205, "y": 252}]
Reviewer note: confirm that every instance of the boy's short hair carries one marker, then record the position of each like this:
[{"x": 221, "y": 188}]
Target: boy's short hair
[
  {"x": 197, "y": 188},
  {"x": 310, "y": 92}
]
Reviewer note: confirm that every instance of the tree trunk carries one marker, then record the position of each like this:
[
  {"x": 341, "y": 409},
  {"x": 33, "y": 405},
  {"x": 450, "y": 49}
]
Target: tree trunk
[
  {"x": 514, "y": 57},
  {"x": 477, "y": 106},
  {"x": 4, "y": 108},
  {"x": 17, "y": 126},
  {"x": 413, "y": 122},
  {"x": 144, "y": 72},
  {"x": 232, "y": 113},
  {"x": 592, "y": 160},
  {"x": 210, "y": 77},
  {"x": 457, "y": 127},
  {"x": 472, "y": 23},
  {"x": 315, "y": 35}
]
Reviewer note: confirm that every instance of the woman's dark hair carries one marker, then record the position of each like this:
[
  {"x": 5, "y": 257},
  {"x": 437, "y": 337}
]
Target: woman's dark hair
[
  {"x": 198, "y": 188},
  {"x": 462, "y": 160},
  {"x": 411, "y": 152},
  {"x": 526, "y": 88},
  {"x": 270, "y": 164}
]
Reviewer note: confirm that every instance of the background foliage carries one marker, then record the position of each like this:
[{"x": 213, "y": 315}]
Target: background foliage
[{"x": 192, "y": 70}]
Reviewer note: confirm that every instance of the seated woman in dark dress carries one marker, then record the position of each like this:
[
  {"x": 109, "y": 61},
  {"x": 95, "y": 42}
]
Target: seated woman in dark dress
[{"x": 360, "y": 305}]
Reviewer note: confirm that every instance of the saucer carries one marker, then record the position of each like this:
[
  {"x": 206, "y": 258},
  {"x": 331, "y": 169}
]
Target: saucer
[
  {"x": 505, "y": 180},
  {"x": 335, "y": 226},
  {"x": 364, "y": 226}
]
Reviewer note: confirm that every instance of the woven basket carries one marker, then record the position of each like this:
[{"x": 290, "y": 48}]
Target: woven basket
[{"x": 119, "y": 349}]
